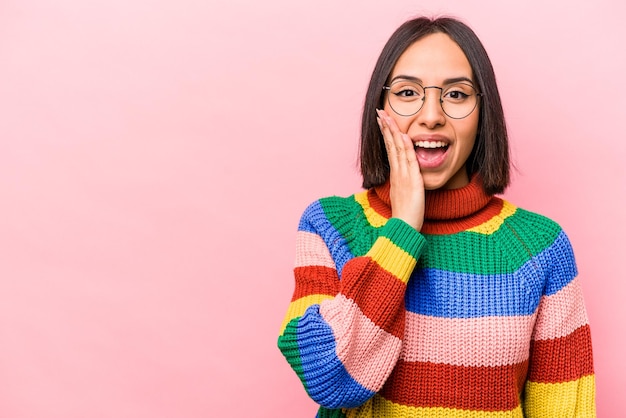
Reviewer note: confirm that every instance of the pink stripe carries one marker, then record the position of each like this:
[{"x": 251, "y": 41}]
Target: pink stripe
[
  {"x": 486, "y": 341},
  {"x": 366, "y": 350},
  {"x": 312, "y": 251},
  {"x": 562, "y": 313}
]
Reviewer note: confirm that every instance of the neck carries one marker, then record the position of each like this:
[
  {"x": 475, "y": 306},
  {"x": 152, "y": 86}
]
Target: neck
[{"x": 451, "y": 209}]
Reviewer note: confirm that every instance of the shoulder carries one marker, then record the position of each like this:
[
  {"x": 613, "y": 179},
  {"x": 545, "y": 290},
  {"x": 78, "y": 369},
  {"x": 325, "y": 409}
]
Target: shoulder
[
  {"x": 533, "y": 222},
  {"x": 536, "y": 233},
  {"x": 330, "y": 211},
  {"x": 546, "y": 240}
]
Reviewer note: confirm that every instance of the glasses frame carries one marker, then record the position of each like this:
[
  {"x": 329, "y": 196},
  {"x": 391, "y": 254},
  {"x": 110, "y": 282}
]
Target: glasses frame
[{"x": 478, "y": 96}]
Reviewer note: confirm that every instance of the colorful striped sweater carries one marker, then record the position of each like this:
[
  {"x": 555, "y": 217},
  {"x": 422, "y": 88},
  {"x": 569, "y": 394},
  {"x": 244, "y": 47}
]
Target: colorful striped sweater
[{"x": 478, "y": 315}]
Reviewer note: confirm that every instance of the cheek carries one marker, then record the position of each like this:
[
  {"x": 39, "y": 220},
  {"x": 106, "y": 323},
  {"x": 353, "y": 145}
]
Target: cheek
[
  {"x": 466, "y": 132},
  {"x": 402, "y": 122}
]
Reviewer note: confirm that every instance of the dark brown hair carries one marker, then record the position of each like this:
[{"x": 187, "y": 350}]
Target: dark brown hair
[{"x": 490, "y": 156}]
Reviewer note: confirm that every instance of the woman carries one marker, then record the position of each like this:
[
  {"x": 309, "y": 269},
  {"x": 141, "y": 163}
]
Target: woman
[{"x": 426, "y": 295}]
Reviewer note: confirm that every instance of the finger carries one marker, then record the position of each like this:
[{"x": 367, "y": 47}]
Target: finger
[
  {"x": 388, "y": 138},
  {"x": 409, "y": 151},
  {"x": 391, "y": 154},
  {"x": 394, "y": 130},
  {"x": 401, "y": 139},
  {"x": 399, "y": 147}
]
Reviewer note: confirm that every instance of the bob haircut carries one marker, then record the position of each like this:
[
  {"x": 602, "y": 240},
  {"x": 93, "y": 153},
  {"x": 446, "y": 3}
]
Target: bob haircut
[{"x": 490, "y": 156}]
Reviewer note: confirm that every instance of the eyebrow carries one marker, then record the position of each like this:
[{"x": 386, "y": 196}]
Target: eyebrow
[{"x": 419, "y": 81}]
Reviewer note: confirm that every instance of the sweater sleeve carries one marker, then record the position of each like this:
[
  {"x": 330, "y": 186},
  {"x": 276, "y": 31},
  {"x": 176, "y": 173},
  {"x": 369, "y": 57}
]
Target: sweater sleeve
[
  {"x": 343, "y": 336},
  {"x": 561, "y": 379}
]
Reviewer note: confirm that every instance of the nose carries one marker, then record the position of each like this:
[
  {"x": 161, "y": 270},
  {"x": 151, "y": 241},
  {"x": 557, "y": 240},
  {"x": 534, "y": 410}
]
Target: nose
[{"x": 431, "y": 114}]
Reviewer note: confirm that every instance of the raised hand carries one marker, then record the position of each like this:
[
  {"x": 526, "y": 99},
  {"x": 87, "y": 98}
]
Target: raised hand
[{"x": 407, "y": 186}]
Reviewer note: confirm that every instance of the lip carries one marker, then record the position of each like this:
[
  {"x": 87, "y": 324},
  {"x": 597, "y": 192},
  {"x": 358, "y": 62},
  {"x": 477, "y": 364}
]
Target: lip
[
  {"x": 431, "y": 138},
  {"x": 436, "y": 162}
]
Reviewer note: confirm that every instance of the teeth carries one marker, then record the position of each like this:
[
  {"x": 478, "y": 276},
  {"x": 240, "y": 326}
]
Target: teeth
[{"x": 428, "y": 144}]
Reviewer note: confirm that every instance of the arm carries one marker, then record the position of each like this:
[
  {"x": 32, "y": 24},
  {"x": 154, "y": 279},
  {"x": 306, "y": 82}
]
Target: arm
[
  {"x": 561, "y": 380},
  {"x": 343, "y": 337}
]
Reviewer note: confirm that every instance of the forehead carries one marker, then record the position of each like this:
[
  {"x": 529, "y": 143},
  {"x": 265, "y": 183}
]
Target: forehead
[{"x": 433, "y": 58}]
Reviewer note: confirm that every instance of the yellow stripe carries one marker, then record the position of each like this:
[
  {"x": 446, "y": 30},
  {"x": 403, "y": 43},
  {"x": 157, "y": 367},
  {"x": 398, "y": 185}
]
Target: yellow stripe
[
  {"x": 374, "y": 218},
  {"x": 392, "y": 258},
  {"x": 298, "y": 306},
  {"x": 381, "y": 407},
  {"x": 493, "y": 224},
  {"x": 569, "y": 399}
]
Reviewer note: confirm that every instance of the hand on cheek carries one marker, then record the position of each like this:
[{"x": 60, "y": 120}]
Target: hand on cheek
[{"x": 407, "y": 186}]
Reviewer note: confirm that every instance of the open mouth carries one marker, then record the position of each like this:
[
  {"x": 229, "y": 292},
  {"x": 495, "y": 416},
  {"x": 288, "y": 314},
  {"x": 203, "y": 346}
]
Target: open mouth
[{"x": 430, "y": 150}]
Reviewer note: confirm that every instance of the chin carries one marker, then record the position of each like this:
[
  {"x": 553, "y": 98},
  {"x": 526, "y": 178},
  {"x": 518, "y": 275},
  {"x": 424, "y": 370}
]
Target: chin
[
  {"x": 445, "y": 179},
  {"x": 434, "y": 184}
]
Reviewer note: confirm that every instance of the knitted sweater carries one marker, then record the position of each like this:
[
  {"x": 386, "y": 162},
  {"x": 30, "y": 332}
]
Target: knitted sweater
[{"x": 478, "y": 315}]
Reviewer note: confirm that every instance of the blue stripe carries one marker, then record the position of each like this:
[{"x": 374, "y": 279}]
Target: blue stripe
[
  {"x": 448, "y": 294},
  {"x": 325, "y": 377},
  {"x": 313, "y": 211},
  {"x": 560, "y": 264},
  {"x": 314, "y": 220}
]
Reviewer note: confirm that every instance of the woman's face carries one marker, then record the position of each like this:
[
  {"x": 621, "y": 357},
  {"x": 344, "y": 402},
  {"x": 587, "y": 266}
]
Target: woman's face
[{"x": 442, "y": 144}]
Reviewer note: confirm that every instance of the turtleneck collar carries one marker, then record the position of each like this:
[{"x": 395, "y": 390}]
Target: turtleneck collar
[{"x": 447, "y": 204}]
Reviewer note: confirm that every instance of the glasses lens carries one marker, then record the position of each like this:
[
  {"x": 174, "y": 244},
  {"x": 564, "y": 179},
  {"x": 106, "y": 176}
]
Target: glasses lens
[
  {"x": 406, "y": 98},
  {"x": 458, "y": 100}
]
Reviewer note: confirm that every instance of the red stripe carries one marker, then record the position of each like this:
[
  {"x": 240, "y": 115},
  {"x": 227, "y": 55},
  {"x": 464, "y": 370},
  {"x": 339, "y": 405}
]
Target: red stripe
[
  {"x": 432, "y": 385},
  {"x": 315, "y": 280},
  {"x": 378, "y": 293},
  {"x": 438, "y": 227},
  {"x": 562, "y": 359},
  {"x": 379, "y": 206},
  {"x": 493, "y": 208}
]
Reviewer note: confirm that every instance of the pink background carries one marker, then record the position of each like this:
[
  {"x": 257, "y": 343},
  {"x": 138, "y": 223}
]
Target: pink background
[{"x": 156, "y": 157}]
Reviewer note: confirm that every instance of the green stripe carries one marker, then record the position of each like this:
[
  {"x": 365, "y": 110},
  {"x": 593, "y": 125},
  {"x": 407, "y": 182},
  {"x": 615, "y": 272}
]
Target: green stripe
[
  {"x": 330, "y": 413},
  {"x": 404, "y": 236},
  {"x": 522, "y": 235},
  {"x": 347, "y": 217},
  {"x": 288, "y": 345}
]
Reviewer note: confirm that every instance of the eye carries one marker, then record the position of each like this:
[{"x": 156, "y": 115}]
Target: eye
[
  {"x": 407, "y": 92},
  {"x": 456, "y": 95}
]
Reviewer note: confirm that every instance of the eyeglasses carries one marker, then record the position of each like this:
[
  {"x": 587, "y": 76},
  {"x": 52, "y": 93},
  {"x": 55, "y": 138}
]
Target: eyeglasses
[{"x": 458, "y": 100}]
